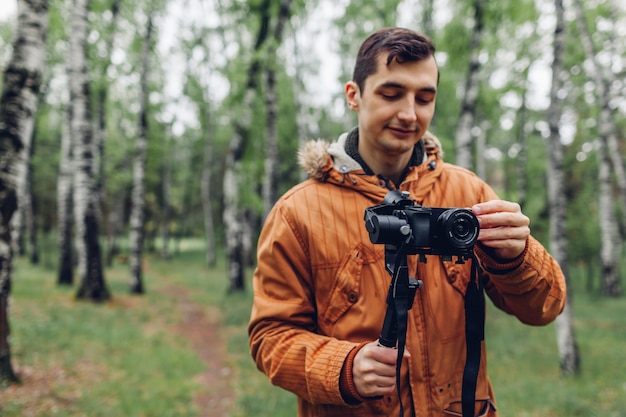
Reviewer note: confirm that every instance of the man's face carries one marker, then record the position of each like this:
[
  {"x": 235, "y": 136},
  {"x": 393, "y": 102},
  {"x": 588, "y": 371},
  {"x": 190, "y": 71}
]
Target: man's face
[{"x": 395, "y": 107}]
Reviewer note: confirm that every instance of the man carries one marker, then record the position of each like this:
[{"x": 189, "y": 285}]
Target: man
[{"x": 320, "y": 287}]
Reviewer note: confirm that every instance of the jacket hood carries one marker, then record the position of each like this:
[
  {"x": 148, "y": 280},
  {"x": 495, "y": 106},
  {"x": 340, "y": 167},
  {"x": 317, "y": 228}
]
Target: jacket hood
[{"x": 317, "y": 157}]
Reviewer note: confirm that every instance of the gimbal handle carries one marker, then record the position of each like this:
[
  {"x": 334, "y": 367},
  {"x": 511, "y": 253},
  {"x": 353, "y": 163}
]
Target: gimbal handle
[{"x": 401, "y": 293}]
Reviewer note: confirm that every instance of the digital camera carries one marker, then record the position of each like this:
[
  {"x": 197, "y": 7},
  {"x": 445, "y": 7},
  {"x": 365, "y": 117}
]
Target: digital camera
[{"x": 398, "y": 221}]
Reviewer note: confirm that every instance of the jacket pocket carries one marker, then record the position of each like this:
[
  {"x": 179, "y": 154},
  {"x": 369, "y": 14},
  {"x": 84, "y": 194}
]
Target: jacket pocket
[
  {"x": 444, "y": 288},
  {"x": 484, "y": 407},
  {"x": 345, "y": 290}
]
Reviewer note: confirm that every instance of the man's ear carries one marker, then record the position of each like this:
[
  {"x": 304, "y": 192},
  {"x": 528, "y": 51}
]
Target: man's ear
[{"x": 353, "y": 95}]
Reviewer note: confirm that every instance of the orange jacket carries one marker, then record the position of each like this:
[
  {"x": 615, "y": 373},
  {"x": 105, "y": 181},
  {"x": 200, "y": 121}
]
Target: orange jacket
[{"x": 320, "y": 290}]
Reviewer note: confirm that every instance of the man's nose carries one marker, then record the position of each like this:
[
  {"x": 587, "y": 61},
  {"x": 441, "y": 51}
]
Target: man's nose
[{"x": 407, "y": 112}]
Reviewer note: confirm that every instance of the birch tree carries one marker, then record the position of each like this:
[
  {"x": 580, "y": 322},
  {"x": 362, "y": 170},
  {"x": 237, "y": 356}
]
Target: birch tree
[
  {"x": 270, "y": 189},
  {"x": 610, "y": 160},
  {"x": 463, "y": 135},
  {"x": 18, "y": 223},
  {"x": 207, "y": 205},
  {"x": 139, "y": 171},
  {"x": 234, "y": 215},
  {"x": 609, "y": 241},
  {"x": 568, "y": 349},
  {"x": 65, "y": 275},
  {"x": 18, "y": 105},
  {"x": 92, "y": 284}
]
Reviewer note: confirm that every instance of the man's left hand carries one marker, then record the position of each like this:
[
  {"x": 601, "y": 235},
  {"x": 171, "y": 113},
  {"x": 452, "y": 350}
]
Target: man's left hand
[{"x": 503, "y": 227}]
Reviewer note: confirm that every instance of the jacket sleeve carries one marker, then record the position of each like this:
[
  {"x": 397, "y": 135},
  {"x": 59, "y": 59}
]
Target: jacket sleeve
[
  {"x": 282, "y": 328},
  {"x": 532, "y": 288}
]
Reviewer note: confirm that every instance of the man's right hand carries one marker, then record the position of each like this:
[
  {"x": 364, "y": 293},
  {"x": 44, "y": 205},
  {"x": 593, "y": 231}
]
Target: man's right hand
[{"x": 374, "y": 370}]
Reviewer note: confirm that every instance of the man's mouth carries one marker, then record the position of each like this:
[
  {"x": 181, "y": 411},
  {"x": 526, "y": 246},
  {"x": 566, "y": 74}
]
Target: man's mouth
[{"x": 403, "y": 131}]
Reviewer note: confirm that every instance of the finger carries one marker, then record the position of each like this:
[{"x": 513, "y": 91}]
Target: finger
[
  {"x": 495, "y": 206},
  {"x": 385, "y": 355},
  {"x": 503, "y": 219},
  {"x": 503, "y": 233}
]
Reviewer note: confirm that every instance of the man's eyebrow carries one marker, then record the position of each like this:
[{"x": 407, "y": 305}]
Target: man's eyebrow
[{"x": 394, "y": 84}]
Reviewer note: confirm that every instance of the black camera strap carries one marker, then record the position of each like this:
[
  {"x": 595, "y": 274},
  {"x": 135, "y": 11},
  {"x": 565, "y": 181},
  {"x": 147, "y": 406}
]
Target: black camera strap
[
  {"x": 474, "y": 335},
  {"x": 402, "y": 318}
]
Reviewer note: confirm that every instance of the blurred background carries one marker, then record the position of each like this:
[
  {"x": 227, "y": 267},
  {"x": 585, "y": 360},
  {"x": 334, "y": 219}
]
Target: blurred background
[{"x": 157, "y": 132}]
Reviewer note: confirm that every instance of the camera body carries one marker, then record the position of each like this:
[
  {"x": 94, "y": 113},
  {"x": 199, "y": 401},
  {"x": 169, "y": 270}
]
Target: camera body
[{"x": 446, "y": 232}]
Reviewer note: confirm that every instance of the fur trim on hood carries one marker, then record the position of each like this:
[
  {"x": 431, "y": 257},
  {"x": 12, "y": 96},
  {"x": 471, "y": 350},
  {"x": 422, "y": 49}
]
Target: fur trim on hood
[{"x": 313, "y": 157}]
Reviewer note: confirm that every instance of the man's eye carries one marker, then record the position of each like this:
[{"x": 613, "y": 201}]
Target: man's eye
[
  {"x": 390, "y": 96},
  {"x": 424, "y": 100}
]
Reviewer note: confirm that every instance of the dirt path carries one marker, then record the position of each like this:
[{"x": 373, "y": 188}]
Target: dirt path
[{"x": 200, "y": 325}]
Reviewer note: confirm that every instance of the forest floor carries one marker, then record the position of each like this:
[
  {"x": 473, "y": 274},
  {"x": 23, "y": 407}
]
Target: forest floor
[{"x": 198, "y": 326}]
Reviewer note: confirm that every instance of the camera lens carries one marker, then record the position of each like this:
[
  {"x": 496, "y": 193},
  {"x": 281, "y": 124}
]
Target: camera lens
[{"x": 459, "y": 227}]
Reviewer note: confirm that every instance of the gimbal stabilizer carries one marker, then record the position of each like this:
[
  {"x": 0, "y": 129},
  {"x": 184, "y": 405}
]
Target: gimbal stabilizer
[{"x": 408, "y": 229}]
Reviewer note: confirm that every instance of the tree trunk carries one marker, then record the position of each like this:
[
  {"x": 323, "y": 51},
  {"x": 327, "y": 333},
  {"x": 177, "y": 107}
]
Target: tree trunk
[
  {"x": 522, "y": 141},
  {"x": 92, "y": 285},
  {"x": 611, "y": 155},
  {"x": 233, "y": 215},
  {"x": 23, "y": 220},
  {"x": 114, "y": 226},
  {"x": 100, "y": 104},
  {"x": 18, "y": 105},
  {"x": 65, "y": 207},
  {"x": 470, "y": 97},
  {"x": 207, "y": 207},
  {"x": 139, "y": 172},
  {"x": 167, "y": 206},
  {"x": 270, "y": 188},
  {"x": 301, "y": 109},
  {"x": 609, "y": 242},
  {"x": 271, "y": 139},
  {"x": 568, "y": 349},
  {"x": 31, "y": 219}
]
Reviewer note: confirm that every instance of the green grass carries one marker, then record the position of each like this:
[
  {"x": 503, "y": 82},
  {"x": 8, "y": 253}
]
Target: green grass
[{"x": 121, "y": 359}]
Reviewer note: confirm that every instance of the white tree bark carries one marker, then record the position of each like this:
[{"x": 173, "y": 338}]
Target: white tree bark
[
  {"x": 568, "y": 349},
  {"x": 233, "y": 215},
  {"x": 609, "y": 230},
  {"x": 90, "y": 271},
  {"x": 65, "y": 207},
  {"x": 610, "y": 157},
  {"x": 139, "y": 172},
  {"x": 18, "y": 105}
]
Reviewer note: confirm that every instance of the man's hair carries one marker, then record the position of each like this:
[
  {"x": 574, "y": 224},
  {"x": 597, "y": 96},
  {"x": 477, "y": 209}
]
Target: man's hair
[{"x": 402, "y": 45}]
